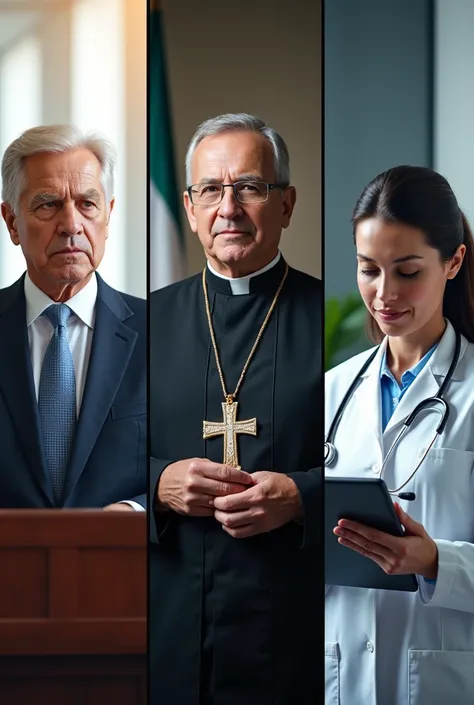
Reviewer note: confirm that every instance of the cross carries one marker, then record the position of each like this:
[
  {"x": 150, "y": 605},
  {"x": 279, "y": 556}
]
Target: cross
[{"x": 229, "y": 428}]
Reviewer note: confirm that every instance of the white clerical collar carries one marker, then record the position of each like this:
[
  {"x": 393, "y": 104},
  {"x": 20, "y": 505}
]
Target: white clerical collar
[
  {"x": 82, "y": 303},
  {"x": 241, "y": 285}
]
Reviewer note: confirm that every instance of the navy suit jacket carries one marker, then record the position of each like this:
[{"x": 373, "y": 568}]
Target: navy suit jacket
[{"x": 108, "y": 458}]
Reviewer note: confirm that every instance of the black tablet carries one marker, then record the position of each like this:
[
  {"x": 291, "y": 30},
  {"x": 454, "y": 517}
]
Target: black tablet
[{"x": 367, "y": 501}]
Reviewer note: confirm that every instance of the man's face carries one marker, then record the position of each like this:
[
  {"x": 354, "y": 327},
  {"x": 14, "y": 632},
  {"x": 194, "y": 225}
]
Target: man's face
[
  {"x": 238, "y": 238},
  {"x": 62, "y": 220}
]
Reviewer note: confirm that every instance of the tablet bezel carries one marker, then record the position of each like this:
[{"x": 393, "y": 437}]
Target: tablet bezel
[{"x": 367, "y": 501}]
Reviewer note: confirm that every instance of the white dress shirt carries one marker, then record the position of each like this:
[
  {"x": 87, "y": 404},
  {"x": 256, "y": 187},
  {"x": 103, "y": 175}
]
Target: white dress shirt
[
  {"x": 80, "y": 329},
  {"x": 241, "y": 285}
]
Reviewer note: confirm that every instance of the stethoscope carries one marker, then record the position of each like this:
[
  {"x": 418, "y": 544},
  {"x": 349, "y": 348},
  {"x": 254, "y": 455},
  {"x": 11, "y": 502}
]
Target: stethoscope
[{"x": 436, "y": 403}]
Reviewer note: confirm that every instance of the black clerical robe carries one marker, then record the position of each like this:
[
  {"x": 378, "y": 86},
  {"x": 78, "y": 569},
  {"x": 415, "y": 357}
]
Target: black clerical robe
[{"x": 237, "y": 621}]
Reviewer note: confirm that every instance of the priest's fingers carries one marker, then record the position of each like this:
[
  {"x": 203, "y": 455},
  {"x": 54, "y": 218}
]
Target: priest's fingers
[
  {"x": 243, "y": 500},
  {"x": 216, "y": 488},
  {"x": 222, "y": 473},
  {"x": 242, "y": 532},
  {"x": 235, "y": 520},
  {"x": 196, "y": 505}
]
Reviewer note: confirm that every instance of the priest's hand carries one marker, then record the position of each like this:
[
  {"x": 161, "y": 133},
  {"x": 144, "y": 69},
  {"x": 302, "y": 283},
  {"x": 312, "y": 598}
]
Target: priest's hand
[
  {"x": 415, "y": 552},
  {"x": 118, "y": 507},
  {"x": 190, "y": 486},
  {"x": 272, "y": 501}
]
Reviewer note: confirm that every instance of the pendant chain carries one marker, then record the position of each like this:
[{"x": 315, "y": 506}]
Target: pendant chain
[{"x": 231, "y": 397}]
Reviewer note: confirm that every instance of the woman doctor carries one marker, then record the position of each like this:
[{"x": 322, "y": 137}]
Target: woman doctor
[{"x": 415, "y": 273}]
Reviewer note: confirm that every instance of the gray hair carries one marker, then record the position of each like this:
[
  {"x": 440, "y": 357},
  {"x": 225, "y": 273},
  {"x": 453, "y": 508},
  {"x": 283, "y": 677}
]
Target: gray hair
[
  {"x": 242, "y": 122},
  {"x": 53, "y": 138}
]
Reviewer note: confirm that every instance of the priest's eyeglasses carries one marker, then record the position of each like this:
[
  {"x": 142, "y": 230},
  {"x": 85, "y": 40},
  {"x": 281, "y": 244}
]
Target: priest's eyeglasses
[{"x": 210, "y": 194}]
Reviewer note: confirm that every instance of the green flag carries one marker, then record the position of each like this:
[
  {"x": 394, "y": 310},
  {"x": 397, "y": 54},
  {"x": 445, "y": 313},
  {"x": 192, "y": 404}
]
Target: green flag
[{"x": 167, "y": 252}]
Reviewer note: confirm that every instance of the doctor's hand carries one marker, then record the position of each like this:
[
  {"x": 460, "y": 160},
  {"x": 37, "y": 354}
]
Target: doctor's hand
[
  {"x": 272, "y": 501},
  {"x": 190, "y": 486},
  {"x": 415, "y": 552}
]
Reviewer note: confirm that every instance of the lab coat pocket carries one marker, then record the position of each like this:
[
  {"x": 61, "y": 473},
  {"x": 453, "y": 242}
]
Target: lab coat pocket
[
  {"x": 332, "y": 658},
  {"x": 440, "y": 677},
  {"x": 445, "y": 466},
  {"x": 443, "y": 486}
]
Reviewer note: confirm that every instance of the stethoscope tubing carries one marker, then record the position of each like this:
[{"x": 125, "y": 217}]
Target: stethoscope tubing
[{"x": 330, "y": 451}]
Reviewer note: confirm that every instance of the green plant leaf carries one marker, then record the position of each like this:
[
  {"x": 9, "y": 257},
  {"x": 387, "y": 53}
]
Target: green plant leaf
[{"x": 344, "y": 326}]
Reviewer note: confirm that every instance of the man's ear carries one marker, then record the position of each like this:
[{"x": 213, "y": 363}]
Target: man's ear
[
  {"x": 289, "y": 200},
  {"x": 111, "y": 207},
  {"x": 189, "y": 208},
  {"x": 10, "y": 220}
]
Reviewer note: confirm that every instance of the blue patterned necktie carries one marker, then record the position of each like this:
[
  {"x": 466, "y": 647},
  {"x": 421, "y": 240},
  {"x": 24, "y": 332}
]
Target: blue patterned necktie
[{"x": 57, "y": 397}]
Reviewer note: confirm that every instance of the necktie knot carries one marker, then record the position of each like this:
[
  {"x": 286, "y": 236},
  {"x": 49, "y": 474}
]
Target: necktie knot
[{"x": 57, "y": 314}]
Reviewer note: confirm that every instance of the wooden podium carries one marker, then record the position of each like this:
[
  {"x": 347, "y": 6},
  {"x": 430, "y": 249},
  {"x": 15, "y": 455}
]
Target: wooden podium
[{"x": 72, "y": 607}]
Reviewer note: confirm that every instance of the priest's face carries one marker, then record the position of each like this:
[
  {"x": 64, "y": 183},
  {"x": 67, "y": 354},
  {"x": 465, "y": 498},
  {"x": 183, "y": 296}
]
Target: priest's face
[
  {"x": 238, "y": 238},
  {"x": 61, "y": 222}
]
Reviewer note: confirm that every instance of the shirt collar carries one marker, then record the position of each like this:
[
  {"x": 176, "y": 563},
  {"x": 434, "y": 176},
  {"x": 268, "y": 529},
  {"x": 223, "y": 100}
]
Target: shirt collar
[
  {"x": 413, "y": 371},
  {"x": 241, "y": 285},
  {"x": 82, "y": 303}
]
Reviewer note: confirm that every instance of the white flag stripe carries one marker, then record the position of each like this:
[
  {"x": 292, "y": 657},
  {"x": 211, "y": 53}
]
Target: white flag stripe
[{"x": 166, "y": 258}]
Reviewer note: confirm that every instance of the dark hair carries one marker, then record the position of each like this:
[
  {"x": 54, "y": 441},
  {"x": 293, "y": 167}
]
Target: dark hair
[{"x": 423, "y": 199}]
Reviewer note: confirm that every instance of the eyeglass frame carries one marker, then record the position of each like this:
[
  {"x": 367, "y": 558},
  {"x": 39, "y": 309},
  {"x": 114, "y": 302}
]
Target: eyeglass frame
[{"x": 270, "y": 187}]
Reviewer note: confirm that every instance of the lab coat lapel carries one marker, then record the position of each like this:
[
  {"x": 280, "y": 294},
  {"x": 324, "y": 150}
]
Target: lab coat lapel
[
  {"x": 367, "y": 396},
  {"x": 429, "y": 380}
]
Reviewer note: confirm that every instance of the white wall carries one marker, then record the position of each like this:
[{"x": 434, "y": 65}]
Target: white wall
[
  {"x": 283, "y": 39},
  {"x": 89, "y": 68},
  {"x": 454, "y": 98}
]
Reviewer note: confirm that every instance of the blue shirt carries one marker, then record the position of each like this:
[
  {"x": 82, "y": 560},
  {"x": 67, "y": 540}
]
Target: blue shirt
[{"x": 392, "y": 391}]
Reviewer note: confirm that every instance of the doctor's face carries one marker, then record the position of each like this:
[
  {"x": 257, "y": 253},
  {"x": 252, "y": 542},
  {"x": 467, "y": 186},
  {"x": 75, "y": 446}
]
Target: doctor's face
[
  {"x": 402, "y": 278},
  {"x": 238, "y": 238}
]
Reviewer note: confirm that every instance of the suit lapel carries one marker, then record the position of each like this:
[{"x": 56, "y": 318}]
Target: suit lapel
[
  {"x": 17, "y": 384},
  {"x": 112, "y": 345}
]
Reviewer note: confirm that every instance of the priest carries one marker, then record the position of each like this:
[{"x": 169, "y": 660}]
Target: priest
[{"x": 236, "y": 578}]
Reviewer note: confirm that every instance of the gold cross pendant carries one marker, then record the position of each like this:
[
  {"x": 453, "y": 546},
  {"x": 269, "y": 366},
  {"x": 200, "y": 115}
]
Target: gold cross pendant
[{"x": 229, "y": 428}]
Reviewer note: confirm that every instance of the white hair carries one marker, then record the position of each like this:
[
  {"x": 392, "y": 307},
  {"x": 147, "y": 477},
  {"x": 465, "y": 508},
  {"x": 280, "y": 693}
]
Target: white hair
[
  {"x": 53, "y": 138},
  {"x": 242, "y": 122}
]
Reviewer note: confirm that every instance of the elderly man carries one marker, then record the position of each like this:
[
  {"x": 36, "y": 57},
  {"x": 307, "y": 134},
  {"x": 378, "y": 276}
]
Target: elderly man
[
  {"x": 236, "y": 412},
  {"x": 73, "y": 350}
]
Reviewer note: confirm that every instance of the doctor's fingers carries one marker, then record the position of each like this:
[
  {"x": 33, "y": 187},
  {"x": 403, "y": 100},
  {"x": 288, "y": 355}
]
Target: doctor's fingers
[
  {"x": 389, "y": 562},
  {"x": 367, "y": 546},
  {"x": 394, "y": 543}
]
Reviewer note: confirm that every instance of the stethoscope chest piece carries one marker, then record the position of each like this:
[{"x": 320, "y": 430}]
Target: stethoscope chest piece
[{"x": 330, "y": 454}]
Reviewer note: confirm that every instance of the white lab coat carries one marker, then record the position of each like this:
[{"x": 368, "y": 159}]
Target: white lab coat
[{"x": 395, "y": 648}]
